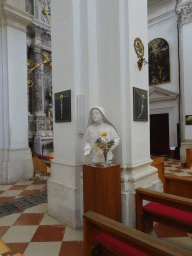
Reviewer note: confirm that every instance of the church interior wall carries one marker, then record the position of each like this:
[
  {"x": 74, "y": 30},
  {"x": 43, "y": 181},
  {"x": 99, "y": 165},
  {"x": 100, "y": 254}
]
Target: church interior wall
[
  {"x": 187, "y": 56},
  {"x": 163, "y": 24}
]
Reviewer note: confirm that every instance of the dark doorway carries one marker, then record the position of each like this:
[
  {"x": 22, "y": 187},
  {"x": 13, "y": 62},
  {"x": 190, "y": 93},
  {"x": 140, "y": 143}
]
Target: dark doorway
[{"x": 159, "y": 133}]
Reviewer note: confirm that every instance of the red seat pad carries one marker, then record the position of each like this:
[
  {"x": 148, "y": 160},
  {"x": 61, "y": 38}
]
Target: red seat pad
[
  {"x": 169, "y": 211},
  {"x": 119, "y": 246}
]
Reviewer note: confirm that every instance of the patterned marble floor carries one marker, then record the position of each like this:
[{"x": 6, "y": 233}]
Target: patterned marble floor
[{"x": 33, "y": 232}]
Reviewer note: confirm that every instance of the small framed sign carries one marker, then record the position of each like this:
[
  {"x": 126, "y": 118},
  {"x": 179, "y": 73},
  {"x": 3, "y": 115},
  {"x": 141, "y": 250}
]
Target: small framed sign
[
  {"x": 63, "y": 106},
  {"x": 140, "y": 105},
  {"x": 188, "y": 120}
]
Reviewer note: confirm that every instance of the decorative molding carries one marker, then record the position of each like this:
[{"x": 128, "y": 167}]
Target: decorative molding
[
  {"x": 184, "y": 11},
  {"x": 14, "y": 17},
  {"x": 161, "y": 18},
  {"x": 157, "y": 94},
  {"x": 154, "y": 2}
]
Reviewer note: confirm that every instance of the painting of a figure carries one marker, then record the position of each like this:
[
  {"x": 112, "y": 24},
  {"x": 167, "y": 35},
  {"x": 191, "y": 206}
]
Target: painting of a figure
[{"x": 159, "y": 64}]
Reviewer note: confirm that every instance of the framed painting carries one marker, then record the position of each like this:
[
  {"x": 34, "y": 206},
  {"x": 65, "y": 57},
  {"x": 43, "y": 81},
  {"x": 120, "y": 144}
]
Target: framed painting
[
  {"x": 188, "y": 119},
  {"x": 140, "y": 105},
  {"x": 63, "y": 106},
  {"x": 159, "y": 61}
]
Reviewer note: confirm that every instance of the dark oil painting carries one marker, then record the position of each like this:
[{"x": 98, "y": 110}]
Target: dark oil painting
[
  {"x": 159, "y": 64},
  {"x": 140, "y": 105}
]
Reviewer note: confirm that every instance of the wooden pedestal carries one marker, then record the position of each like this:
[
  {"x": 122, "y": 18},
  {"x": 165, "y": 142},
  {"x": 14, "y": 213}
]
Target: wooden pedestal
[{"x": 102, "y": 190}]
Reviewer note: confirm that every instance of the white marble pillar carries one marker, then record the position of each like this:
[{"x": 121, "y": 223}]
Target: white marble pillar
[
  {"x": 69, "y": 64},
  {"x": 93, "y": 55},
  {"x": 185, "y": 21},
  {"x": 15, "y": 154}
]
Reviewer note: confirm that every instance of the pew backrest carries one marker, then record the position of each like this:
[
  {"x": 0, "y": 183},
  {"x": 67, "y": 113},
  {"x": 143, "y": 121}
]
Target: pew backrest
[{"x": 96, "y": 224}]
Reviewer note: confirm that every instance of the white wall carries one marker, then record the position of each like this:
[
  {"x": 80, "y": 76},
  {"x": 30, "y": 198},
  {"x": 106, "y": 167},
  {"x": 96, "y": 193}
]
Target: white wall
[
  {"x": 162, "y": 23},
  {"x": 18, "y": 118}
]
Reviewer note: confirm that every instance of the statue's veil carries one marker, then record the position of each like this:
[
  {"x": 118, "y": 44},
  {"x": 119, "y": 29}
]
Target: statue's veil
[{"x": 90, "y": 119}]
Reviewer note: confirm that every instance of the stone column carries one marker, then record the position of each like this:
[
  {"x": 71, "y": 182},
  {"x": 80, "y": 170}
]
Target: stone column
[
  {"x": 37, "y": 80},
  {"x": 184, "y": 11},
  {"x": 105, "y": 74},
  {"x": 15, "y": 155}
]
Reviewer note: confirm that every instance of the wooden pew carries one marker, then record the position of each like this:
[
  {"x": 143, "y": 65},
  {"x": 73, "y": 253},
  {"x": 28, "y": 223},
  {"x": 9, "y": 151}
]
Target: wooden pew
[
  {"x": 97, "y": 226},
  {"x": 158, "y": 162},
  {"x": 188, "y": 162},
  {"x": 171, "y": 210},
  {"x": 178, "y": 185},
  {"x": 189, "y": 157},
  {"x": 43, "y": 167}
]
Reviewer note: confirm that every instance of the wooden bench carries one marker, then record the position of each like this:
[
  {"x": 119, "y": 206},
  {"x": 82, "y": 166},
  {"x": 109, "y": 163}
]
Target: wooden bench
[
  {"x": 115, "y": 238},
  {"x": 188, "y": 162},
  {"x": 40, "y": 165},
  {"x": 171, "y": 210},
  {"x": 5, "y": 249},
  {"x": 158, "y": 162},
  {"x": 178, "y": 185}
]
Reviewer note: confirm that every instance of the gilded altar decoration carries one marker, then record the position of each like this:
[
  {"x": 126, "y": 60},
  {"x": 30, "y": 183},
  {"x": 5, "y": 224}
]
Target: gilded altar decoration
[
  {"x": 140, "y": 105},
  {"x": 104, "y": 145},
  {"x": 139, "y": 49},
  {"x": 46, "y": 60},
  {"x": 159, "y": 63}
]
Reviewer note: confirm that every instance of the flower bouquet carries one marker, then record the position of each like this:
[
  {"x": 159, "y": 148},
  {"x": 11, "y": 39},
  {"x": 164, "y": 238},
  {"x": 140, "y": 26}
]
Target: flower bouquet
[{"x": 104, "y": 146}]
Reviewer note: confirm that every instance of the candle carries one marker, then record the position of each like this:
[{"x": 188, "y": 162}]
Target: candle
[{"x": 49, "y": 114}]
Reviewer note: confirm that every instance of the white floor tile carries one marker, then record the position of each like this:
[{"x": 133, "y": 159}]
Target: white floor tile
[
  {"x": 43, "y": 249},
  {"x": 9, "y": 219},
  {"x": 5, "y": 187},
  {"x": 35, "y": 187},
  {"x": 73, "y": 235},
  {"x": 10, "y": 193},
  {"x": 49, "y": 220},
  {"x": 19, "y": 234},
  {"x": 41, "y": 208},
  {"x": 184, "y": 174},
  {"x": 26, "y": 182}
]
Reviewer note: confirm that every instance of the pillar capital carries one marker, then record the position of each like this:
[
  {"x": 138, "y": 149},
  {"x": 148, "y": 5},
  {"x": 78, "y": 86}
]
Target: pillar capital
[
  {"x": 184, "y": 11},
  {"x": 13, "y": 16}
]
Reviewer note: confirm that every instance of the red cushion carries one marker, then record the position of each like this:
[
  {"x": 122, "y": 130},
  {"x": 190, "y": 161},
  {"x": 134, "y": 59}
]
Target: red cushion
[
  {"x": 169, "y": 211},
  {"x": 119, "y": 246}
]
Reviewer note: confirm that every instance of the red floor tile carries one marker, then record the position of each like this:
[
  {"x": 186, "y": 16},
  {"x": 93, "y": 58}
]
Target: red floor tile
[
  {"x": 2, "y": 191},
  {"x": 29, "y": 219},
  {"x": 17, "y": 247},
  {"x": 18, "y": 187},
  {"x": 49, "y": 233},
  {"x": 28, "y": 192},
  {"x": 6, "y": 199},
  {"x": 3, "y": 230},
  {"x": 72, "y": 248},
  {"x": 163, "y": 231}
]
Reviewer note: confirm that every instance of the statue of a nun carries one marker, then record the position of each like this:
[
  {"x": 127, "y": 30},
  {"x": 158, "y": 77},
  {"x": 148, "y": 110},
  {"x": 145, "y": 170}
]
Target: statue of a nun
[{"x": 98, "y": 124}]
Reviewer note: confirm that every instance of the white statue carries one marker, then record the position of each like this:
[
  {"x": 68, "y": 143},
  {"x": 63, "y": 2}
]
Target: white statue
[{"x": 98, "y": 124}]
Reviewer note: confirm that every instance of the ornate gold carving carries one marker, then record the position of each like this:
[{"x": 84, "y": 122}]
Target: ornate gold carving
[{"x": 139, "y": 49}]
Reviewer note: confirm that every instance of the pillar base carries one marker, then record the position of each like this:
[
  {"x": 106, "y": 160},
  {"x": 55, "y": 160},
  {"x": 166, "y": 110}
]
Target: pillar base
[
  {"x": 15, "y": 165},
  {"x": 144, "y": 176},
  {"x": 65, "y": 196},
  {"x": 184, "y": 146}
]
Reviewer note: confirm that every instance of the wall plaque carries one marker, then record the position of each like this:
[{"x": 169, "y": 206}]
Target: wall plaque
[
  {"x": 188, "y": 120},
  {"x": 63, "y": 106},
  {"x": 140, "y": 105}
]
